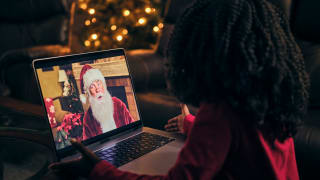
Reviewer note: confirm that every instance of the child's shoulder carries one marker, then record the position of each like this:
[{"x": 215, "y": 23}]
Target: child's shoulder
[{"x": 216, "y": 113}]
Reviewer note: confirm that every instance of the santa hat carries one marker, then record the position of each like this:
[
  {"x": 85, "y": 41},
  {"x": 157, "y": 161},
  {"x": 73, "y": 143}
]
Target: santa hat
[{"x": 87, "y": 76}]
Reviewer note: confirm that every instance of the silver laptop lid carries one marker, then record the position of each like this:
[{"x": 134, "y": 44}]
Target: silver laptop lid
[{"x": 87, "y": 96}]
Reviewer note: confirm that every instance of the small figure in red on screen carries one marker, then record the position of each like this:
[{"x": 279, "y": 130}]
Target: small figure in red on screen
[{"x": 105, "y": 113}]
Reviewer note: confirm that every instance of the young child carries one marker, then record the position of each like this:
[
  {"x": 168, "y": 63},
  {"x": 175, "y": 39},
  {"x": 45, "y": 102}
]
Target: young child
[{"x": 238, "y": 62}]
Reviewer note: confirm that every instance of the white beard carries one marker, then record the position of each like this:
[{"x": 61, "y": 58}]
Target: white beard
[{"x": 102, "y": 110}]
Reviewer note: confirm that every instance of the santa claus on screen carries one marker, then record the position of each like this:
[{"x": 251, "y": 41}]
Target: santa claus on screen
[{"x": 105, "y": 112}]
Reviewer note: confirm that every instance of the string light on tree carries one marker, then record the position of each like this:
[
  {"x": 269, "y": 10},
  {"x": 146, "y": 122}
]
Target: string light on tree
[
  {"x": 87, "y": 43},
  {"x": 113, "y": 27},
  {"x": 142, "y": 21},
  {"x": 97, "y": 43},
  {"x": 148, "y": 10},
  {"x": 92, "y": 11},
  {"x": 119, "y": 38},
  {"x": 83, "y": 6},
  {"x": 160, "y": 25},
  {"x": 113, "y": 24},
  {"x": 87, "y": 22},
  {"x": 156, "y": 29},
  {"x": 126, "y": 12},
  {"x": 125, "y": 31},
  {"x": 94, "y": 36}
]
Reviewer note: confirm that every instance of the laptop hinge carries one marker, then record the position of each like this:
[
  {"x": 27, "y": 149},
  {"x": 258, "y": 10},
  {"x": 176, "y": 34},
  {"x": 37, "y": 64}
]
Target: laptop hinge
[{"x": 120, "y": 134}]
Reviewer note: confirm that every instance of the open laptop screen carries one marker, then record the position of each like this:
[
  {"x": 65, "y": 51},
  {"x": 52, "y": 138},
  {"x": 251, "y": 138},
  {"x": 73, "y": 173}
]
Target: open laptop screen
[{"x": 87, "y": 98}]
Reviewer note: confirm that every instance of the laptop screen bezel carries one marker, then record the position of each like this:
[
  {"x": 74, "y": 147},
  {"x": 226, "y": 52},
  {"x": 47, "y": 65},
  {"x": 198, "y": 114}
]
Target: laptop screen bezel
[{"x": 75, "y": 58}]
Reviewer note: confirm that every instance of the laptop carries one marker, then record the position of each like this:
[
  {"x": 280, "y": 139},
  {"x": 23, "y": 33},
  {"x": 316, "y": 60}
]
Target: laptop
[{"x": 90, "y": 97}]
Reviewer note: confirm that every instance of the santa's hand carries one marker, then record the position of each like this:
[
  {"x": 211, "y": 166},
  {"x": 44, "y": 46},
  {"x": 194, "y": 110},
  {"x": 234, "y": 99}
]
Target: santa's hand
[
  {"x": 176, "y": 124},
  {"x": 79, "y": 167}
]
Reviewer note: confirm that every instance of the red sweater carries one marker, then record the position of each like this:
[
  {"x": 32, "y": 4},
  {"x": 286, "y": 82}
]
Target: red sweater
[{"x": 220, "y": 146}]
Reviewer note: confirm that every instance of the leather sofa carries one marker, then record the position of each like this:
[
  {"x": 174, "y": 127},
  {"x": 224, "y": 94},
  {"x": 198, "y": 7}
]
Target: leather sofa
[{"x": 306, "y": 27}]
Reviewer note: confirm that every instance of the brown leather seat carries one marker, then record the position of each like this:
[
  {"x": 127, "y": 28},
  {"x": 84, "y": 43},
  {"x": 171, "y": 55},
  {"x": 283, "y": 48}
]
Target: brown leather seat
[{"x": 304, "y": 15}]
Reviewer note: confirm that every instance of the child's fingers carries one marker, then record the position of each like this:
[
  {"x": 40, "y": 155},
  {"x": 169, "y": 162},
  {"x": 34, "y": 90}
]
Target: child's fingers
[
  {"x": 172, "y": 120},
  {"x": 172, "y": 129},
  {"x": 85, "y": 151},
  {"x": 170, "y": 125}
]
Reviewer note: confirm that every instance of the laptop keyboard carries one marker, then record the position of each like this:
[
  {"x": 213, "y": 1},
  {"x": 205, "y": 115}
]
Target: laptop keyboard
[{"x": 132, "y": 148}]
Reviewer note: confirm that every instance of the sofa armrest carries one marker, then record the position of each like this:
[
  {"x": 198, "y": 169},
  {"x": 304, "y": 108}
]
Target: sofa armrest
[
  {"x": 40, "y": 137},
  {"x": 307, "y": 145},
  {"x": 307, "y": 148},
  {"x": 22, "y": 107},
  {"x": 33, "y": 53},
  {"x": 23, "y": 85},
  {"x": 22, "y": 111}
]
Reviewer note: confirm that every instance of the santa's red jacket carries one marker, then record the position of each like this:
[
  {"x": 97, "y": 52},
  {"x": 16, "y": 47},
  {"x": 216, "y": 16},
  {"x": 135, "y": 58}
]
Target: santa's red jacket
[{"x": 121, "y": 115}]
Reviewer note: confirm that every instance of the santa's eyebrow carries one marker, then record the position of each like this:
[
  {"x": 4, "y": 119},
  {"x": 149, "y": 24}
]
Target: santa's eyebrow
[{"x": 95, "y": 81}]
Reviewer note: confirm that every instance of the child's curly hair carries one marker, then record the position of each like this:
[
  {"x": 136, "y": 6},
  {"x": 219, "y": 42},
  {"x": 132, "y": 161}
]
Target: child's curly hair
[{"x": 241, "y": 52}]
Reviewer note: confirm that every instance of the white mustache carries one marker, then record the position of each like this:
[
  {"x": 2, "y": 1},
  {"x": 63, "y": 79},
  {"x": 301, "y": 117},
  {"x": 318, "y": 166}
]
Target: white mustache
[{"x": 99, "y": 94}]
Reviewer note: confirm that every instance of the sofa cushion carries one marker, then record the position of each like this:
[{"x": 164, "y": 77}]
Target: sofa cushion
[
  {"x": 305, "y": 19},
  {"x": 48, "y": 32},
  {"x": 311, "y": 53}
]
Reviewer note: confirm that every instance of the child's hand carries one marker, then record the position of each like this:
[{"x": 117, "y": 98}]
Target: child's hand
[
  {"x": 176, "y": 124},
  {"x": 80, "y": 167}
]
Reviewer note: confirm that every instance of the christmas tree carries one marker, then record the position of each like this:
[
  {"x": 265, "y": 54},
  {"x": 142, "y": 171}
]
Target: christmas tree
[{"x": 130, "y": 24}]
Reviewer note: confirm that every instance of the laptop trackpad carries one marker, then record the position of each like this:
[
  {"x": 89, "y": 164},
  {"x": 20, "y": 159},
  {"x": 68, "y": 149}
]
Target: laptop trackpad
[{"x": 157, "y": 162}]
